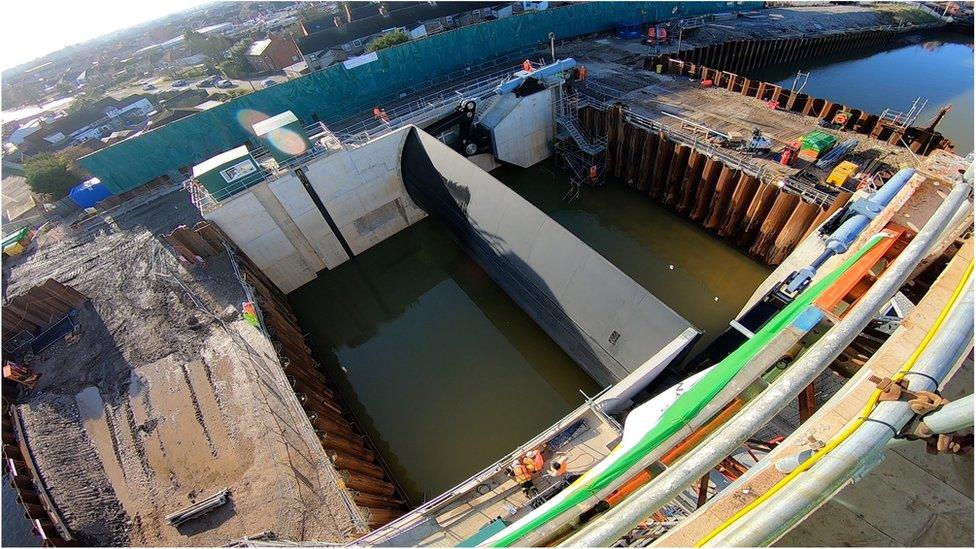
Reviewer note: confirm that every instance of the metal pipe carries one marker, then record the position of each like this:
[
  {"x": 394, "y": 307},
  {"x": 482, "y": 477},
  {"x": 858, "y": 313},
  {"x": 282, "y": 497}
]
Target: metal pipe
[
  {"x": 864, "y": 210},
  {"x": 617, "y": 522},
  {"x": 841, "y": 239},
  {"x": 860, "y": 453},
  {"x": 952, "y": 417}
]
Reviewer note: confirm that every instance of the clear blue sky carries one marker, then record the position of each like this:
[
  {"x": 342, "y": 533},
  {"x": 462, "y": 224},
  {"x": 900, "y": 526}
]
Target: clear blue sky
[{"x": 30, "y": 30}]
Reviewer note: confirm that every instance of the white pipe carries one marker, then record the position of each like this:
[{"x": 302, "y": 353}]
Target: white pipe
[
  {"x": 952, "y": 417},
  {"x": 955, "y": 416},
  {"x": 861, "y": 451},
  {"x": 619, "y": 521}
]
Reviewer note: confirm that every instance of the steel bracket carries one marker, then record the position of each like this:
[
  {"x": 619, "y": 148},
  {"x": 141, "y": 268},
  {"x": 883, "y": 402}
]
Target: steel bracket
[{"x": 921, "y": 402}]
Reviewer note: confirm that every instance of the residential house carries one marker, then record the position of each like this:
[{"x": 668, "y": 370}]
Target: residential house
[
  {"x": 273, "y": 54},
  {"x": 91, "y": 122},
  {"x": 535, "y": 6},
  {"x": 322, "y": 48}
]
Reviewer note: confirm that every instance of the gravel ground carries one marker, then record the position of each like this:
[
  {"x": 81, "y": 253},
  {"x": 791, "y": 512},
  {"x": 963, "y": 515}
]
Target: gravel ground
[{"x": 165, "y": 397}]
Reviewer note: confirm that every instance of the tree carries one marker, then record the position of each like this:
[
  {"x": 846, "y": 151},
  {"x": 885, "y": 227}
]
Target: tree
[
  {"x": 387, "y": 40},
  {"x": 50, "y": 174},
  {"x": 212, "y": 47},
  {"x": 235, "y": 65},
  {"x": 72, "y": 154}
]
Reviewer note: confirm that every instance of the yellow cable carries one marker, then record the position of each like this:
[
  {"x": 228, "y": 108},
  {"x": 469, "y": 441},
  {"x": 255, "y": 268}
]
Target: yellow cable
[{"x": 865, "y": 412}]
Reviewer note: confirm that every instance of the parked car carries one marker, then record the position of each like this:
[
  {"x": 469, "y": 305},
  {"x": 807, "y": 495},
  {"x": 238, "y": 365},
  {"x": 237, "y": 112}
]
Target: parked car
[
  {"x": 222, "y": 83},
  {"x": 205, "y": 83},
  {"x": 148, "y": 87},
  {"x": 179, "y": 83},
  {"x": 268, "y": 83}
]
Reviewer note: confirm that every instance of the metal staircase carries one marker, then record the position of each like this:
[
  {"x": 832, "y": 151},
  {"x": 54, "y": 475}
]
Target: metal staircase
[{"x": 583, "y": 155}]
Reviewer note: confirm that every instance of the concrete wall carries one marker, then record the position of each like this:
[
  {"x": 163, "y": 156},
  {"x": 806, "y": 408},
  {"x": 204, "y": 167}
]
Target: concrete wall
[
  {"x": 271, "y": 240},
  {"x": 279, "y": 226},
  {"x": 524, "y": 136},
  {"x": 362, "y": 190}
]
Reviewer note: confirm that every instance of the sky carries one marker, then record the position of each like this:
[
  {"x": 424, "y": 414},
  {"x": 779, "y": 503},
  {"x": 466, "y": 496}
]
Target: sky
[{"x": 31, "y": 29}]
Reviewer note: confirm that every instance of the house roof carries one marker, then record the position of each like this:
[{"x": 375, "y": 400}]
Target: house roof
[
  {"x": 397, "y": 16},
  {"x": 17, "y": 199},
  {"x": 360, "y": 10},
  {"x": 84, "y": 117},
  {"x": 258, "y": 47}
]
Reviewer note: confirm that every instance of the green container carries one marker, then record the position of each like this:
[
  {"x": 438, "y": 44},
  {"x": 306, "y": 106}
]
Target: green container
[
  {"x": 283, "y": 136},
  {"x": 228, "y": 173},
  {"x": 818, "y": 141}
]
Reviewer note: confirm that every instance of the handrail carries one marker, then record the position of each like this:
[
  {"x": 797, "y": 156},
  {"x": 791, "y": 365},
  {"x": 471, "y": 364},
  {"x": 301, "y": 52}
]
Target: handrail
[
  {"x": 400, "y": 525},
  {"x": 807, "y": 193}
]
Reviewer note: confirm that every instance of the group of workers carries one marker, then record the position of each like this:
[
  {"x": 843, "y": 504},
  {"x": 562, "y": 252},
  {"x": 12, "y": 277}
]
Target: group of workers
[{"x": 531, "y": 464}]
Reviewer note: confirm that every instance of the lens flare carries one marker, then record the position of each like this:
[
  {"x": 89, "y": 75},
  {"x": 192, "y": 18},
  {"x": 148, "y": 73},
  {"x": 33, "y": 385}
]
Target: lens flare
[
  {"x": 287, "y": 141},
  {"x": 248, "y": 117}
]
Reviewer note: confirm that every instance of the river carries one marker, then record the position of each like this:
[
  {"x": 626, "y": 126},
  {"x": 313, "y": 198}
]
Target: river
[
  {"x": 938, "y": 66},
  {"x": 17, "y": 530}
]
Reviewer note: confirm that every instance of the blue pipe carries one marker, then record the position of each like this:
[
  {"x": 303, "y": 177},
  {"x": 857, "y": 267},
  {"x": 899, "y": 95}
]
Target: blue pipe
[
  {"x": 549, "y": 70},
  {"x": 865, "y": 210},
  {"x": 860, "y": 214}
]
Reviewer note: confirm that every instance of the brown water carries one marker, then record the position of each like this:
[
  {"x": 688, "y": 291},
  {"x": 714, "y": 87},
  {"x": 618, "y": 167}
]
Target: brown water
[{"x": 447, "y": 373}]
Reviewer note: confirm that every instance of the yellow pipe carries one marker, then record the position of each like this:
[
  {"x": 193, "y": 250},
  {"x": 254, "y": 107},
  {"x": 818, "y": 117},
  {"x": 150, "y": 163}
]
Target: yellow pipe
[{"x": 865, "y": 412}]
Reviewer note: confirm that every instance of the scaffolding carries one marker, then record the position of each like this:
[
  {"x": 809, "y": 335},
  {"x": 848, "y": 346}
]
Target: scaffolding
[{"x": 582, "y": 154}]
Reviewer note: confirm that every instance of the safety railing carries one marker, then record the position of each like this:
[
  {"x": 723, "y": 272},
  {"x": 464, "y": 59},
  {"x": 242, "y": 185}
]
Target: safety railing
[
  {"x": 324, "y": 142},
  {"x": 904, "y": 119},
  {"x": 417, "y": 516},
  {"x": 807, "y": 192},
  {"x": 422, "y": 109}
]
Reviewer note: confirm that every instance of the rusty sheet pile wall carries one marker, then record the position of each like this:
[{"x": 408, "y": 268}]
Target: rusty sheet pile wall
[
  {"x": 719, "y": 63},
  {"x": 32, "y": 495},
  {"x": 40, "y": 307},
  {"x": 755, "y": 216}
]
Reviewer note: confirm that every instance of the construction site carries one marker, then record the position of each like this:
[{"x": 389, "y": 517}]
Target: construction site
[{"x": 576, "y": 277}]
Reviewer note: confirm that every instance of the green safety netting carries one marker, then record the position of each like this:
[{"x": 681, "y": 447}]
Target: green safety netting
[{"x": 337, "y": 92}]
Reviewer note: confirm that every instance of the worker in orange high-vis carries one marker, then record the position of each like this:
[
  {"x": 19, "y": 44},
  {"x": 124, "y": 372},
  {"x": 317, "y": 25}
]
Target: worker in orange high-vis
[
  {"x": 534, "y": 461},
  {"x": 559, "y": 467},
  {"x": 581, "y": 73},
  {"x": 527, "y": 65},
  {"x": 593, "y": 174},
  {"x": 523, "y": 476}
]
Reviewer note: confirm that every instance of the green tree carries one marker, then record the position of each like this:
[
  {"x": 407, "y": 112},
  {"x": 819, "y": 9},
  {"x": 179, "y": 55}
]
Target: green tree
[
  {"x": 212, "y": 47},
  {"x": 387, "y": 40},
  {"x": 235, "y": 64},
  {"x": 72, "y": 154},
  {"x": 50, "y": 174}
]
